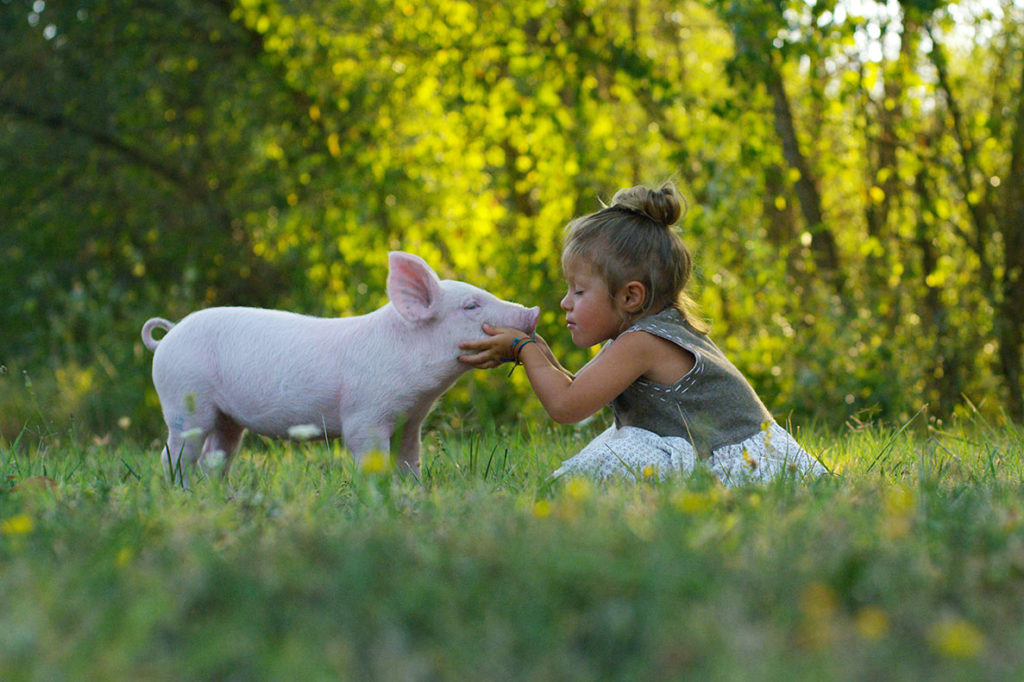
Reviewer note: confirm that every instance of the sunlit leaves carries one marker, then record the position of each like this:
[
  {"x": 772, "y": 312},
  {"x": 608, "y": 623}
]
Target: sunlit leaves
[{"x": 184, "y": 154}]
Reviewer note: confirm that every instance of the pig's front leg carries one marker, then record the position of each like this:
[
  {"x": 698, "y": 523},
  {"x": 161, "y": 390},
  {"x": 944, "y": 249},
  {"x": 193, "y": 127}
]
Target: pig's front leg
[
  {"x": 409, "y": 446},
  {"x": 370, "y": 433},
  {"x": 365, "y": 433}
]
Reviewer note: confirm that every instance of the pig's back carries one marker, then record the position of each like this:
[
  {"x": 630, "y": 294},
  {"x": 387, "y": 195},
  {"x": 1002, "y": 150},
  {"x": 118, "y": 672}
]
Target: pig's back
[
  {"x": 248, "y": 334},
  {"x": 268, "y": 369}
]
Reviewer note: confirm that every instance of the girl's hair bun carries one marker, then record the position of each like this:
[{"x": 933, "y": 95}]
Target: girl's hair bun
[{"x": 661, "y": 205}]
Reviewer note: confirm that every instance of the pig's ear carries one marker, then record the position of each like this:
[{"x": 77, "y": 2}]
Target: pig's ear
[{"x": 413, "y": 287}]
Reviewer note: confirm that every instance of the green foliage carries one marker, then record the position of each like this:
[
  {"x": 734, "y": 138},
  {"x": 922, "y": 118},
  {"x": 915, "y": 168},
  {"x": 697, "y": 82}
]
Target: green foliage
[
  {"x": 907, "y": 566},
  {"x": 162, "y": 157}
]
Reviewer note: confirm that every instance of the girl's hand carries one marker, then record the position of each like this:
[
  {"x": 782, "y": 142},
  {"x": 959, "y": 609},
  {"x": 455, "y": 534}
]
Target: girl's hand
[{"x": 493, "y": 349}]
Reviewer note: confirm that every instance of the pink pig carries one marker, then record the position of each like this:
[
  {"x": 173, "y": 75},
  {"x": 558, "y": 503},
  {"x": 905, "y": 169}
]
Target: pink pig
[{"x": 221, "y": 371}]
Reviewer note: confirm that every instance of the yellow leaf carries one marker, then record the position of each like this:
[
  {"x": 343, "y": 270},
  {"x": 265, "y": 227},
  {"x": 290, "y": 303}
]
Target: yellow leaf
[{"x": 935, "y": 279}]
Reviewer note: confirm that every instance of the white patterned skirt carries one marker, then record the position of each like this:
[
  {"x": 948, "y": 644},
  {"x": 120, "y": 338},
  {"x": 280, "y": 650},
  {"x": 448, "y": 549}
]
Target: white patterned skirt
[{"x": 632, "y": 453}]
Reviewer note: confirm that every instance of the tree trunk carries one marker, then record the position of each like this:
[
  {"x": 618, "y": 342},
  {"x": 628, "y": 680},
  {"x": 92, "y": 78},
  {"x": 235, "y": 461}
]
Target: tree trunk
[
  {"x": 1010, "y": 313},
  {"x": 946, "y": 373},
  {"x": 823, "y": 242},
  {"x": 1002, "y": 215}
]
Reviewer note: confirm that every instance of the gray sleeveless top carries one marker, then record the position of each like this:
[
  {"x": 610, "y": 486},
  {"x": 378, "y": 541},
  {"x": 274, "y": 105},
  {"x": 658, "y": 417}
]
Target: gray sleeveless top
[{"x": 711, "y": 406}]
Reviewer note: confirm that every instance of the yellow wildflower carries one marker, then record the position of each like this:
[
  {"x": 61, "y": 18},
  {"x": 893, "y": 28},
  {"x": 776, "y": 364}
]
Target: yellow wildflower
[
  {"x": 376, "y": 463},
  {"x": 690, "y": 502},
  {"x": 578, "y": 488},
  {"x": 818, "y": 601},
  {"x": 818, "y": 604},
  {"x": 638, "y": 519},
  {"x": 957, "y": 638},
  {"x": 899, "y": 500},
  {"x": 124, "y": 557},
  {"x": 22, "y": 524},
  {"x": 899, "y": 505},
  {"x": 872, "y": 623},
  {"x": 542, "y": 509}
]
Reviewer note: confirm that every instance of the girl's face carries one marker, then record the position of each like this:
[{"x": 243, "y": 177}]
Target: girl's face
[{"x": 590, "y": 312}]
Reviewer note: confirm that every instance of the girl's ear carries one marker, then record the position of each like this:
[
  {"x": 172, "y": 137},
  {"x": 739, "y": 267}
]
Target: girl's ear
[
  {"x": 413, "y": 287},
  {"x": 632, "y": 297}
]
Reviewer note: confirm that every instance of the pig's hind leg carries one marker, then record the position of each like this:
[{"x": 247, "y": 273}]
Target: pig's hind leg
[
  {"x": 180, "y": 452},
  {"x": 224, "y": 439},
  {"x": 186, "y": 435}
]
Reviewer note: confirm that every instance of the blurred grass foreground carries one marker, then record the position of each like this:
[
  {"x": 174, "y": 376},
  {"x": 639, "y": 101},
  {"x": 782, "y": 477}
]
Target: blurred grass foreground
[{"x": 909, "y": 564}]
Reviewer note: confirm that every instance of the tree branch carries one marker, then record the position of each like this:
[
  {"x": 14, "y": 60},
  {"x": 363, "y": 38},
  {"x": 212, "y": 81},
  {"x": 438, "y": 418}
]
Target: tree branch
[
  {"x": 980, "y": 214},
  {"x": 60, "y": 122}
]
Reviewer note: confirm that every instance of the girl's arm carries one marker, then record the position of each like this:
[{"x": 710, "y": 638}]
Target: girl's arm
[
  {"x": 546, "y": 349},
  {"x": 567, "y": 398}
]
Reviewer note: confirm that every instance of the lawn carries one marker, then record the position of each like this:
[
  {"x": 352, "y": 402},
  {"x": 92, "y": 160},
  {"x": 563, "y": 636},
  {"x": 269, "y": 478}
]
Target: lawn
[{"x": 907, "y": 565}]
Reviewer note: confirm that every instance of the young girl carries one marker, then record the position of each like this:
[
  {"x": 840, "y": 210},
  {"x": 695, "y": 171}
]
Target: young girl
[{"x": 677, "y": 400}]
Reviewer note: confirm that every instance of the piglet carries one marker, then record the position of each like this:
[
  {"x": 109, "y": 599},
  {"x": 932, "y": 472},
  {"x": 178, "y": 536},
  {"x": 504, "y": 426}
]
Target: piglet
[{"x": 221, "y": 371}]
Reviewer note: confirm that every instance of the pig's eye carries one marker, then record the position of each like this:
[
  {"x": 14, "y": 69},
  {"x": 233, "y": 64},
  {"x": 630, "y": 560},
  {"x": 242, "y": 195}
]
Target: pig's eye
[{"x": 472, "y": 305}]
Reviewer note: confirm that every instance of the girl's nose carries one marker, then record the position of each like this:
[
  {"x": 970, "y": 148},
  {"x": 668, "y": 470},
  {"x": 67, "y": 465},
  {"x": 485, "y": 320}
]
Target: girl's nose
[{"x": 565, "y": 303}]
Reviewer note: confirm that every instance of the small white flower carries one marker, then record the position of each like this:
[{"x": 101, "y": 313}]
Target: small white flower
[
  {"x": 304, "y": 431},
  {"x": 214, "y": 459}
]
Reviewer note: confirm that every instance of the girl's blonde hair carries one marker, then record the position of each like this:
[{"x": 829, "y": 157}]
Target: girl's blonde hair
[{"x": 632, "y": 239}]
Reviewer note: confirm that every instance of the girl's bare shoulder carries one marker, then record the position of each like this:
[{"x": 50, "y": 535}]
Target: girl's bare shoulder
[{"x": 664, "y": 361}]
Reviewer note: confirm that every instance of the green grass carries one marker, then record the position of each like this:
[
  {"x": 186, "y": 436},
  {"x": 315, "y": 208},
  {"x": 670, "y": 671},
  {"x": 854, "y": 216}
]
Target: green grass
[{"x": 909, "y": 565}]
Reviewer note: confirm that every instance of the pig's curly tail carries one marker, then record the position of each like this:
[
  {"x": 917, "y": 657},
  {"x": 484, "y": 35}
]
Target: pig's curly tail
[{"x": 147, "y": 331}]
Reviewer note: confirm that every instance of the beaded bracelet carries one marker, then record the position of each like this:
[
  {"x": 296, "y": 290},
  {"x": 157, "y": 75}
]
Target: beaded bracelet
[{"x": 517, "y": 348}]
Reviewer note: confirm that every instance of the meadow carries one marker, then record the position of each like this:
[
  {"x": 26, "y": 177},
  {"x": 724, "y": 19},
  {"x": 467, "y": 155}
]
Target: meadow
[{"x": 907, "y": 565}]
